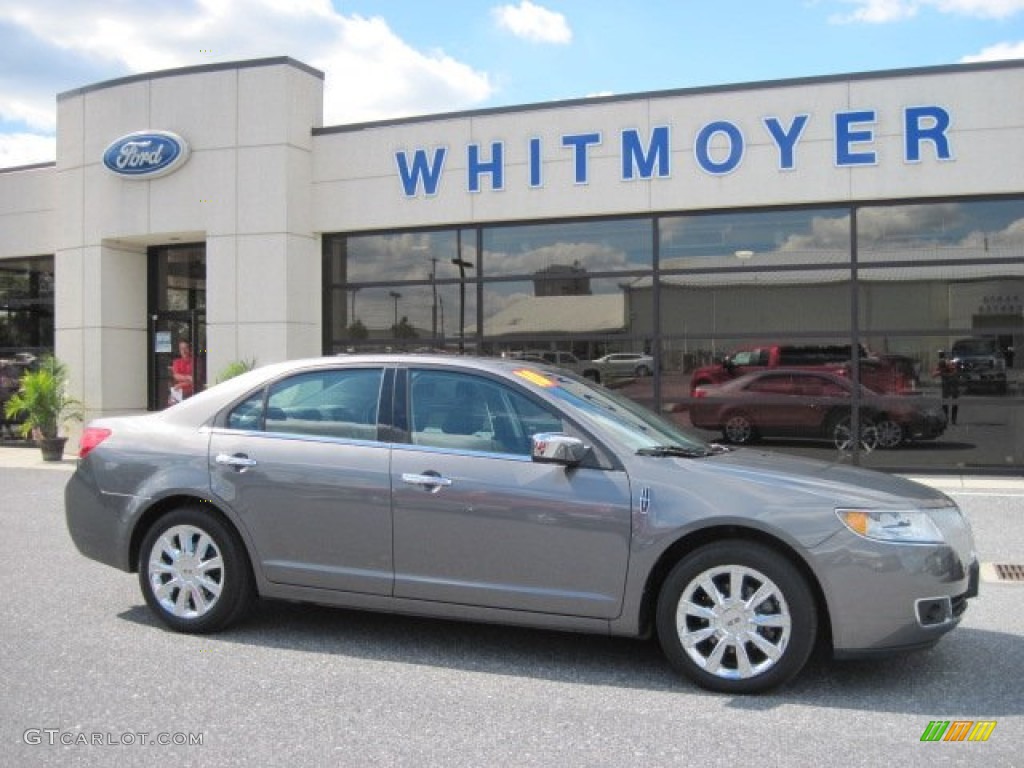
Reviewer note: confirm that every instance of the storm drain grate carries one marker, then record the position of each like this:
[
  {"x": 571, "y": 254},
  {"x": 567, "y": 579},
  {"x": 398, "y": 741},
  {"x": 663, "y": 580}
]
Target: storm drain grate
[{"x": 1013, "y": 572}]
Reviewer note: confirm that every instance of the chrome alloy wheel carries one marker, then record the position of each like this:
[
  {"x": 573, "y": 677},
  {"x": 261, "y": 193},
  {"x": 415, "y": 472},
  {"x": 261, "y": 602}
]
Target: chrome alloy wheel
[
  {"x": 890, "y": 433},
  {"x": 738, "y": 429},
  {"x": 733, "y": 622},
  {"x": 186, "y": 571}
]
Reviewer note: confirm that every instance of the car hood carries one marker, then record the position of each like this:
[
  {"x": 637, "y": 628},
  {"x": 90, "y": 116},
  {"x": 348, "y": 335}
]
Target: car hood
[{"x": 763, "y": 473}]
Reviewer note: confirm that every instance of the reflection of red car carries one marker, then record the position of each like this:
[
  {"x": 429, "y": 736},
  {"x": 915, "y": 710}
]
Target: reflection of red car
[
  {"x": 883, "y": 374},
  {"x": 798, "y": 403}
]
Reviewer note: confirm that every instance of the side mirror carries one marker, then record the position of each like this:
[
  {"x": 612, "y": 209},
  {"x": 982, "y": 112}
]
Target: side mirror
[{"x": 556, "y": 448}]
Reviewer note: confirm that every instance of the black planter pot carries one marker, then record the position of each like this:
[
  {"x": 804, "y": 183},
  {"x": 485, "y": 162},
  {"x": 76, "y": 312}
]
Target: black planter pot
[{"x": 52, "y": 448}]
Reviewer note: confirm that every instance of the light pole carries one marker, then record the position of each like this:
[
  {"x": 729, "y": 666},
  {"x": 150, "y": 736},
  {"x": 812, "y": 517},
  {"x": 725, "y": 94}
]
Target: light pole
[
  {"x": 396, "y": 296},
  {"x": 354, "y": 292},
  {"x": 463, "y": 265},
  {"x": 433, "y": 289}
]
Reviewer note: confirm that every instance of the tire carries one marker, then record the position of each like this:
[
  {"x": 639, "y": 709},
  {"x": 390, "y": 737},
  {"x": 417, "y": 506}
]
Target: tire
[
  {"x": 733, "y": 644},
  {"x": 642, "y": 370},
  {"x": 594, "y": 376},
  {"x": 739, "y": 429},
  {"x": 842, "y": 434},
  {"x": 194, "y": 572},
  {"x": 890, "y": 433}
]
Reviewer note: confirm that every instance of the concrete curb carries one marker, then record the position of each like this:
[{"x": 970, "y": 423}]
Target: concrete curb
[{"x": 29, "y": 457}]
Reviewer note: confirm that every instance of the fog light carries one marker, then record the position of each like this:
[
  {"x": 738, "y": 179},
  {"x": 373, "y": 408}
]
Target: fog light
[{"x": 933, "y": 611}]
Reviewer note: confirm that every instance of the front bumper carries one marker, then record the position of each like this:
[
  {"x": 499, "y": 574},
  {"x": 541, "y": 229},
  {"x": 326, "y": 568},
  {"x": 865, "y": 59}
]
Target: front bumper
[
  {"x": 885, "y": 597},
  {"x": 927, "y": 427}
]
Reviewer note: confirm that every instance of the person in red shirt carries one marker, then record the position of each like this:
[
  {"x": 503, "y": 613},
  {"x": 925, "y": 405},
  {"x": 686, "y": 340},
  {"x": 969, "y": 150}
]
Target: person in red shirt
[{"x": 182, "y": 370}]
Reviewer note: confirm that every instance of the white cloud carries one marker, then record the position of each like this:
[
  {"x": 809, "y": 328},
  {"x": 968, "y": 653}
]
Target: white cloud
[
  {"x": 986, "y": 9},
  {"x": 371, "y": 73},
  {"x": 26, "y": 149},
  {"x": 998, "y": 52},
  {"x": 885, "y": 11},
  {"x": 533, "y": 22}
]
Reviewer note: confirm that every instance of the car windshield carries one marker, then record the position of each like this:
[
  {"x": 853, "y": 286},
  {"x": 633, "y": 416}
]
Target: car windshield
[
  {"x": 973, "y": 347},
  {"x": 635, "y": 426}
]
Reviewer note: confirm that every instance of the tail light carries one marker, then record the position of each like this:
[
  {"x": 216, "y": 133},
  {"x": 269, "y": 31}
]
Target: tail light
[{"x": 91, "y": 437}]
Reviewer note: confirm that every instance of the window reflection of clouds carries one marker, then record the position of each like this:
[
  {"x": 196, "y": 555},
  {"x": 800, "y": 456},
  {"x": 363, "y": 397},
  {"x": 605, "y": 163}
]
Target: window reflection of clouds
[
  {"x": 593, "y": 257},
  {"x": 404, "y": 256},
  {"x": 772, "y": 238},
  {"x": 599, "y": 246},
  {"x": 993, "y": 229}
]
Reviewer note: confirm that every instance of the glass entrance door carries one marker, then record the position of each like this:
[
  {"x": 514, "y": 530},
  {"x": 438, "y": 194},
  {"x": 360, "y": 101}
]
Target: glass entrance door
[{"x": 177, "y": 333}]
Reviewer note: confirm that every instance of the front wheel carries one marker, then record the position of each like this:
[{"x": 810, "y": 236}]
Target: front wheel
[
  {"x": 890, "y": 433},
  {"x": 739, "y": 429},
  {"x": 194, "y": 572},
  {"x": 736, "y": 617}
]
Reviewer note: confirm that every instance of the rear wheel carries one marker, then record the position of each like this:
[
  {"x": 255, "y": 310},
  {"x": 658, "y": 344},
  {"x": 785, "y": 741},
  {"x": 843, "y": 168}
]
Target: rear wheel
[
  {"x": 736, "y": 617},
  {"x": 843, "y": 435},
  {"x": 194, "y": 572}
]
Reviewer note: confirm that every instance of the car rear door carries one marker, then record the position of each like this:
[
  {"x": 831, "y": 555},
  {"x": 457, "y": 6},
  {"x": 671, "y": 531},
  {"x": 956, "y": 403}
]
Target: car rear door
[
  {"x": 301, "y": 466},
  {"x": 478, "y": 523}
]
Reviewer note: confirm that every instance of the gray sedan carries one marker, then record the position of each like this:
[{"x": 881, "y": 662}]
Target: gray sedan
[{"x": 504, "y": 491}]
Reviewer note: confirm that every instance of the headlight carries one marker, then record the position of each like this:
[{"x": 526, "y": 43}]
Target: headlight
[{"x": 909, "y": 526}]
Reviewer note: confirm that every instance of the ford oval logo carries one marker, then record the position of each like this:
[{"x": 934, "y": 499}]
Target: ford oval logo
[{"x": 146, "y": 154}]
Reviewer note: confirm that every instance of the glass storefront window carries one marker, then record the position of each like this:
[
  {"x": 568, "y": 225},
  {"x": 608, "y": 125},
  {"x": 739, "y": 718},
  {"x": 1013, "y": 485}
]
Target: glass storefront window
[
  {"x": 26, "y": 306},
  {"x": 945, "y": 232},
  {"x": 942, "y": 288},
  {"x": 755, "y": 241},
  {"x": 604, "y": 317},
  {"x": 181, "y": 273},
  {"x": 404, "y": 257},
  {"x": 659, "y": 307},
  {"x": 566, "y": 253}
]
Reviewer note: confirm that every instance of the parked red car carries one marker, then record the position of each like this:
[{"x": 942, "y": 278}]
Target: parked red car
[{"x": 812, "y": 404}]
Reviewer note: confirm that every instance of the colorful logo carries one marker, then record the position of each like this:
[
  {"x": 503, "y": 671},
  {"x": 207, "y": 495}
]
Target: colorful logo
[
  {"x": 958, "y": 730},
  {"x": 146, "y": 154}
]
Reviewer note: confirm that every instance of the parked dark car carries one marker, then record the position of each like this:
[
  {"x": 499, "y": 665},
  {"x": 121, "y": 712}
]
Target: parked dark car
[
  {"x": 810, "y": 404},
  {"x": 503, "y": 491},
  {"x": 981, "y": 364}
]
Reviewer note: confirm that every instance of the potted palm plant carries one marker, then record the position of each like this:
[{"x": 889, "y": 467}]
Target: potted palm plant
[{"x": 43, "y": 400}]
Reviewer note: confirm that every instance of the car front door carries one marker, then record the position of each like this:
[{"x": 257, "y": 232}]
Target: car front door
[
  {"x": 301, "y": 466},
  {"x": 478, "y": 523}
]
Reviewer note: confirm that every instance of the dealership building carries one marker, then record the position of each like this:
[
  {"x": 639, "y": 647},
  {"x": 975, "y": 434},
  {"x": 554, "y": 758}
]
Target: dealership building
[{"x": 210, "y": 204}]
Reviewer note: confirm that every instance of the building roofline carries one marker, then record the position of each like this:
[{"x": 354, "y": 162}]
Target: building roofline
[
  {"x": 943, "y": 69},
  {"x": 29, "y": 167},
  {"x": 193, "y": 70}
]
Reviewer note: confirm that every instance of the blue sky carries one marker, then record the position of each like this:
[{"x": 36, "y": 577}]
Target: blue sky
[{"x": 393, "y": 58}]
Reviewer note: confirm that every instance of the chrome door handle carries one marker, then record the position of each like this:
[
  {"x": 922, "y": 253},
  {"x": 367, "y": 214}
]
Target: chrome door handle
[
  {"x": 238, "y": 461},
  {"x": 430, "y": 481}
]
